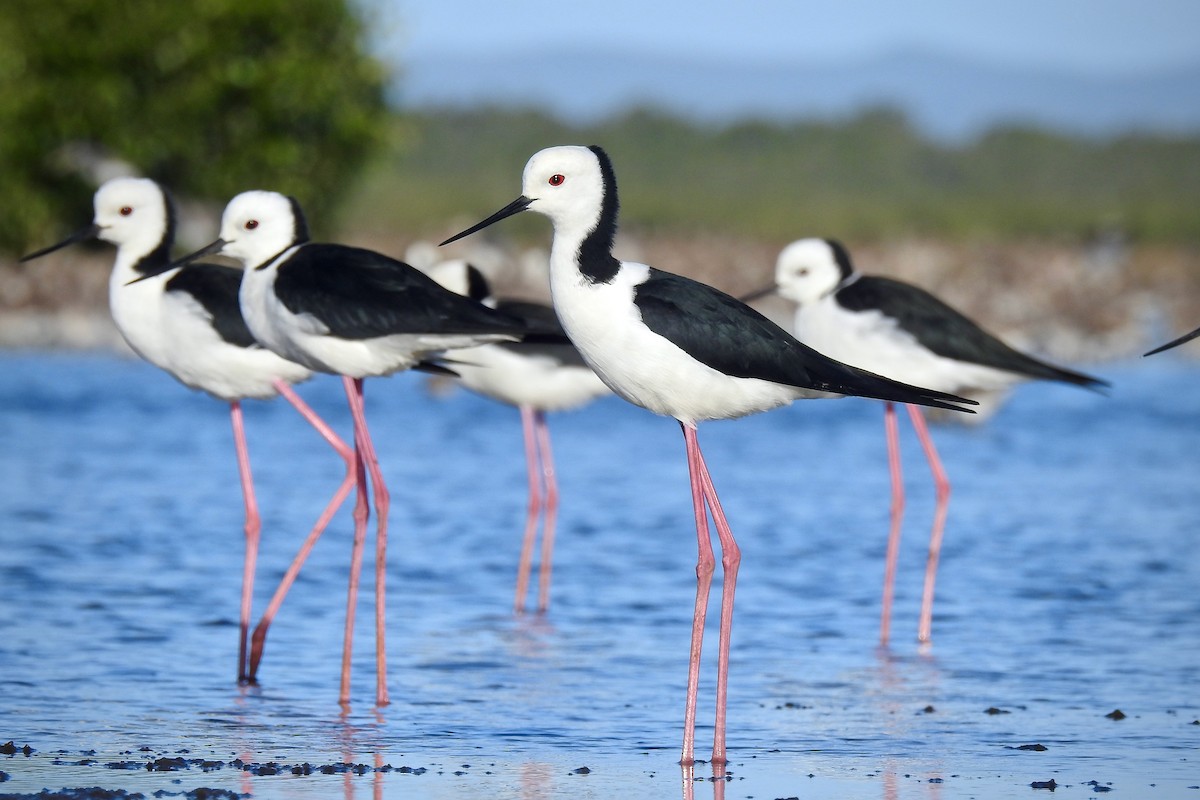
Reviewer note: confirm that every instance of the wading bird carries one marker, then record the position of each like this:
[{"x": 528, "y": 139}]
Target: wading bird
[
  {"x": 351, "y": 312},
  {"x": 678, "y": 348},
  {"x": 536, "y": 378},
  {"x": 189, "y": 324},
  {"x": 898, "y": 330}
]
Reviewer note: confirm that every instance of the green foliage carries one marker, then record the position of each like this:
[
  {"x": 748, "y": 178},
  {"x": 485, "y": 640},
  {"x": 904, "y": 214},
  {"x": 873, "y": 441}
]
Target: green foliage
[
  {"x": 210, "y": 97},
  {"x": 869, "y": 177}
]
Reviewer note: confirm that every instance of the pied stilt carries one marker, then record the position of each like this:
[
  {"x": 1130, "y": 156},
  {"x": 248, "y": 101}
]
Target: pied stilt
[
  {"x": 189, "y": 324},
  {"x": 898, "y": 330},
  {"x": 678, "y": 348},
  {"x": 350, "y": 312},
  {"x": 536, "y": 378}
]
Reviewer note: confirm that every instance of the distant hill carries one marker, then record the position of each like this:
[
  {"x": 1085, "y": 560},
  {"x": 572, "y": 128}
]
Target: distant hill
[{"x": 947, "y": 97}]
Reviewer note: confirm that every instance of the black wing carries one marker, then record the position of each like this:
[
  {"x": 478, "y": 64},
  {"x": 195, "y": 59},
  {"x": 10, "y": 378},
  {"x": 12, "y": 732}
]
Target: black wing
[
  {"x": 946, "y": 332},
  {"x": 361, "y": 294},
  {"x": 733, "y": 338},
  {"x": 215, "y": 287}
]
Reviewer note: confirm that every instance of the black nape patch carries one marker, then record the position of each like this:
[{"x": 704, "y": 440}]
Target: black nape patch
[
  {"x": 842, "y": 256},
  {"x": 596, "y": 261},
  {"x": 300, "y": 232},
  {"x": 153, "y": 262}
]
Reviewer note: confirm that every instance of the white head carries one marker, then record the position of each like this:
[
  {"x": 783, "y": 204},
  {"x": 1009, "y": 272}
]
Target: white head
[
  {"x": 567, "y": 184},
  {"x": 809, "y": 269},
  {"x": 258, "y": 225},
  {"x": 132, "y": 212},
  {"x": 574, "y": 186}
]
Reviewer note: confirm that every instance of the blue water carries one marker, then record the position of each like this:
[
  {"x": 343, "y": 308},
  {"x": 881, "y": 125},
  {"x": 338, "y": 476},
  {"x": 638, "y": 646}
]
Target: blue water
[{"x": 1069, "y": 589}]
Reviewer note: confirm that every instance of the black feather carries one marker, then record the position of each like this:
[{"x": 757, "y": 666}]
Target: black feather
[
  {"x": 361, "y": 294},
  {"x": 215, "y": 287},
  {"x": 945, "y": 331},
  {"x": 733, "y": 338}
]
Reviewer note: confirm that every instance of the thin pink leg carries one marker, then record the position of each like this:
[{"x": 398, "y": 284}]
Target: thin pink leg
[
  {"x": 731, "y": 558},
  {"x": 533, "y": 510},
  {"x": 361, "y": 515},
  {"x": 258, "y": 640},
  {"x": 362, "y": 440},
  {"x": 897, "y": 517},
  {"x": 705, "y": 566},
  {"x": 551, "y": 511},
  {"x": 253, "y": 527},
  {"x": 925, "y": 629}
]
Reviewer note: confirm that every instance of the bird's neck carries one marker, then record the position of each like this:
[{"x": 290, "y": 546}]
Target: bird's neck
[
  {"x": 136, "y": 260},
  {"x": 584, "y": 249}
]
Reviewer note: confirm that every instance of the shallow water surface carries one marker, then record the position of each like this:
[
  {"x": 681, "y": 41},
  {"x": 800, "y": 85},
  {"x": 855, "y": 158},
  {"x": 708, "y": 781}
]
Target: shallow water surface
[{"x": 1068, "y": 590}]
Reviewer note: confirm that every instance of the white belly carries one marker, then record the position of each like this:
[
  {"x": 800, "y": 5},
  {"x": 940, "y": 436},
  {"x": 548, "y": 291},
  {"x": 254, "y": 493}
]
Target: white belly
[
  {"x": 521, "y": 379},
  {"x": 174, "y": 333},
  {"x": 644, "y": 368},
  {"x": 871, "y": 341}
]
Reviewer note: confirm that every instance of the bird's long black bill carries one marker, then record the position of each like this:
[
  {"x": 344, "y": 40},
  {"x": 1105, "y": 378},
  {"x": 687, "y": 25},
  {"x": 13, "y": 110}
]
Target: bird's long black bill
[
  {"x": 515, "y": 207},
  {"x": 90, "y": 232},
  {"x": 760, "y": 293},
  {"x": 207, "y": 250},
  {"x": 1187, "y": 337}
]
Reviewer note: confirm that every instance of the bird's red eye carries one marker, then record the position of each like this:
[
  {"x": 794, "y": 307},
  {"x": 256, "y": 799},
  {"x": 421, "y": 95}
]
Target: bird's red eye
[
  {"x": 251, "y": 224},
  {"x": 126, "y": 211},
  {"x": 556, "y": 180}
]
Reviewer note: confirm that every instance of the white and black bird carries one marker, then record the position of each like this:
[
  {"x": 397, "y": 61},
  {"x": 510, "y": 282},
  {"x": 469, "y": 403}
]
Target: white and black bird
[
  {"x": 899, "y": 330},
  {"x": 1187, "y": 337},
  {"x": 678, "y": 348},
  {"x": 536, "y": 378},
  {"x": 188, "y": 323},
  {"x": 351, "y": 312}
]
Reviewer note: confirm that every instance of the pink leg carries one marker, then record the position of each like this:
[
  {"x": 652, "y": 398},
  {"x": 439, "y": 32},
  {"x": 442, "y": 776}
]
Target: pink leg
[
  {"x": 925, "y": 629},
  {"x": 524, "y": 565},
  {"x": 551, "y": 515},
  {"x": 258, "y": 640},
  {"x": 362, "y": 440},
  {"x": 705, "y": 566},
  {"x": 253, "y": 527},
  {"x": 361, "y": 514},
  {"x": 897, "y": 517},
  {"x": 731, "y": 558}
]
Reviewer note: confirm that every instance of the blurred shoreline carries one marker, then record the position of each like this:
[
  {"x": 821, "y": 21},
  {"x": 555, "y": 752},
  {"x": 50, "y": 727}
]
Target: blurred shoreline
[{"x": 1075, "y": 303}]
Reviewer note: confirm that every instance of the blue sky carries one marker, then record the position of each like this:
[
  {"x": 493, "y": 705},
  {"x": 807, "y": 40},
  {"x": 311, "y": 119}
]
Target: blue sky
[{"x": 1099, "y": 37}]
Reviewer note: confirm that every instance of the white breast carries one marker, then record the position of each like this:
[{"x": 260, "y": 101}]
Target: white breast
[
  {"x": 137, "y": 311},
  {"x": 642, "y": 367},
  {"x": 174, "y": 332}
]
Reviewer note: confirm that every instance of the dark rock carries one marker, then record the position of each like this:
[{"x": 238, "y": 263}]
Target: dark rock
[
  {"x": 1050, "y": 784},
  {"x": 1115, "y": 714}
]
